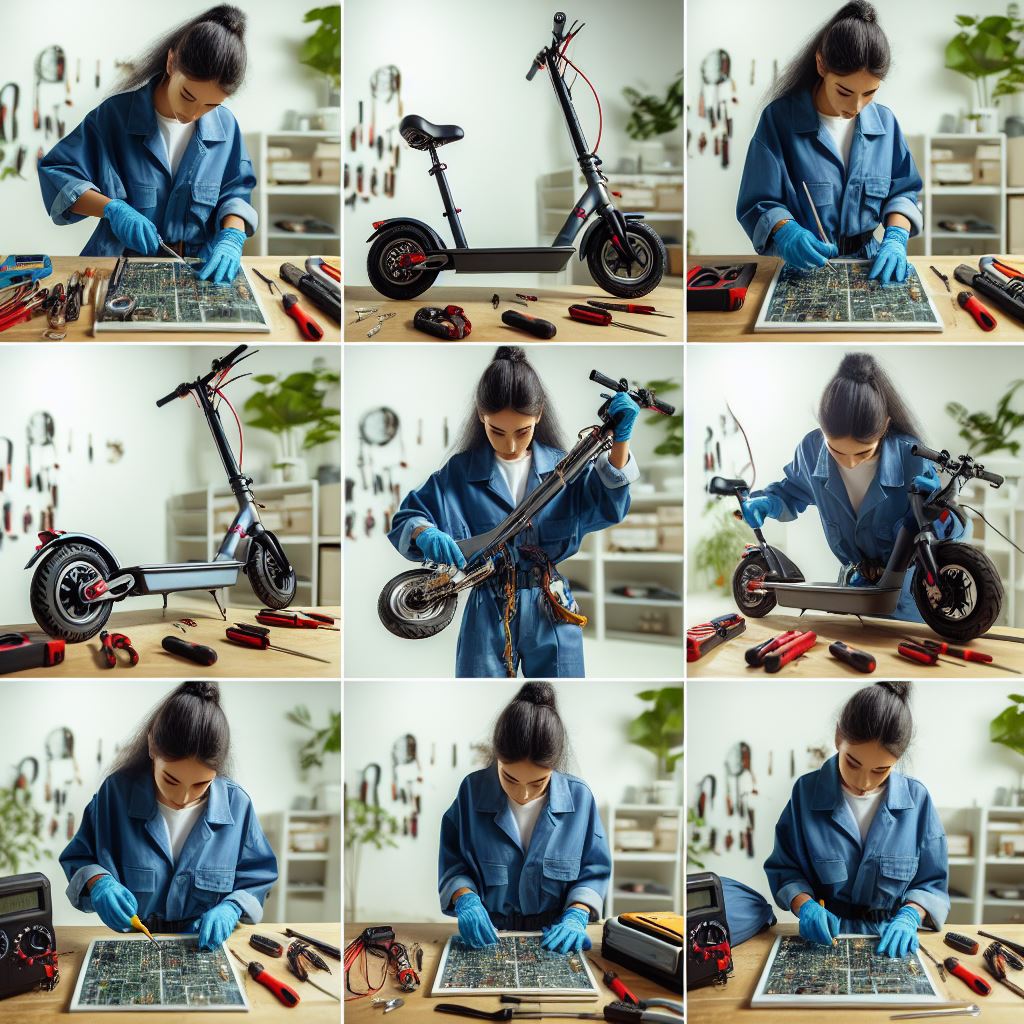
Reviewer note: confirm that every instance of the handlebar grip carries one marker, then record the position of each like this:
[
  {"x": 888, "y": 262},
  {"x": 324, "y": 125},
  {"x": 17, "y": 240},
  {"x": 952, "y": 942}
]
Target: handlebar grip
[
  {"x": 929, "y": 453},
  {"x": 538, "y": 63},
  {"x": 662, "y": 407},
  {"x": 179, "y": 392},
  {"x": 558, "y": 24},
  {"x": 229, "y": 358},
  {"x": 993, "y": 478},
  {"x": 531, "y": 324},
  {"x": 606, "y": 382}
]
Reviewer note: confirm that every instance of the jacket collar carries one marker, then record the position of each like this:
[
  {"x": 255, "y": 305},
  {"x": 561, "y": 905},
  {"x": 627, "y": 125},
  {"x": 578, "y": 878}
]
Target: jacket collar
[
  {"x": 142, "y": 801},
  {"x": 491, "y": 798},
  {"x": 828, "y": 789},
  {"x": 805, "y": 116},
  {"x": 890, "y": 465},
  {"x": 142, "y": 116},
  {"x": 483, "y": 463}
]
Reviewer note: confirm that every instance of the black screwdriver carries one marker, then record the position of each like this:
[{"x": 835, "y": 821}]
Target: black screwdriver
[
  {"x": 194, "y": 652},
  {"x": 860, "y": 660},
  {"x": 531, "y": 324}
]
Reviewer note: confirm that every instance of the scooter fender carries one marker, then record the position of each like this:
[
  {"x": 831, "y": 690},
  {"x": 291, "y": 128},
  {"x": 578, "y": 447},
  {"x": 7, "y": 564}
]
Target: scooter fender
[
  {"x": 782, "y": 567},
  {"x": 270, "y": 539},
  {"x": 424, "y": 227},
  {"x": 58, "y": 540},
  {"x": 596, "y": 223}
]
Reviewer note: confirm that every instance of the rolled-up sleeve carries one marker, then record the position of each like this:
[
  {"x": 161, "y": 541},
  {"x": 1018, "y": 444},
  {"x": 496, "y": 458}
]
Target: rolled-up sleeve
[
  {"x": 906, "y": 183},
  {"x": 453, "y": 870},
  {"x": 761, "y": 202},
  {"x": 793, "y": 490},
  {"x": 591, "y": 887},
  {"x": 72, "y": 168},
  {"x": 424, "y": 506},
  {"x": 256, "y": 871},
  {"x": 236, "y": 188},
  {"x": 784, "y": 867}
]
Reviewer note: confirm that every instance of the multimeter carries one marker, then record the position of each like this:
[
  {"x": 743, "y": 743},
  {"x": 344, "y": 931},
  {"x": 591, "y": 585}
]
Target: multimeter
[
  {"x": 708, "y": 947},
  {"x": 28, "y": 944}
]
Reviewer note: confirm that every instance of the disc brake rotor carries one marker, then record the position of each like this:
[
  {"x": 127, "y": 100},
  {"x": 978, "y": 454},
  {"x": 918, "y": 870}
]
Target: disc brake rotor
[
  {"x": 615, "y": 264},
  {"x": 959, "y": 593},
  {"x": 68, "y": 591},
  {"x": 390, "y": 259}
]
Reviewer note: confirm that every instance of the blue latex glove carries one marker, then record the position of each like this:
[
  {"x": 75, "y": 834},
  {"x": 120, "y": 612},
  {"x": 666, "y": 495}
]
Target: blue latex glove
[
  {"x": 856, "y": 580},
  {"x": 891, "y": 259},
  {"x": 800, "y": 248},
  {"x": 899, "y": 935},
  {"x": 818, "y": 924},
  {"x": 926, "y": 485},
  {"x": 757, "y": 510},
  {"x": 225, "y": 257},
  {"x": 217, "y": 924},
  {"x": 114, "y": 903},
  {"x": 624, "y": 412},
  {"x": 475, "y": 926},
  {"x": 569, "y": 933},
  {"x": 438, "y": 546},
  {"x": 134, "y": 231}
]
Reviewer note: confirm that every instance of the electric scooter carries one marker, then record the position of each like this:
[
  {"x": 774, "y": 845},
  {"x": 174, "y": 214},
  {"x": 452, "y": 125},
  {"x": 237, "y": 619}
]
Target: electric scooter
[
  {"x": 419, "y": 603},
  {"x": 626, "y": 257},
  {"x": 956, "y": 587},
  {"x": 77, "y": 577}
]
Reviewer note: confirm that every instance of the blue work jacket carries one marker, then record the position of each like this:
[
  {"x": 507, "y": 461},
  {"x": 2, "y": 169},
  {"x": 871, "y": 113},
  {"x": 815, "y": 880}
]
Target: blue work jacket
[
  {"x": 791, "y": 146},
  {"x": 226, "y": 855},
  {"x": 118, "y": 151},
  {"x": 568, "y": 860},
  {"x": 818, "y": 850},
  {"x": 813, "y": 478}
]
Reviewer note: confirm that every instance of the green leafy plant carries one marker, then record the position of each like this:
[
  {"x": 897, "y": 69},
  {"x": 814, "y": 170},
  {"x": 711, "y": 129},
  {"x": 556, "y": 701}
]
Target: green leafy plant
[
  {"x": 652, "y": 115},
  {"x": 671, "y": 425},
  {"x": 365, "y": 825},
  {"x": 20, "y": 831},
  {"x": 325, "y": 740},
  {"x": 985, "y": 47},
  {"x": 720, "y": 550},
  {"x": 659, "y": 729},
  {"x": 1007, "y": 727},
  {"x": 985, "y": 433},
  {"x": 322, "y": 50},
  {"x": 285, "y": 405}
]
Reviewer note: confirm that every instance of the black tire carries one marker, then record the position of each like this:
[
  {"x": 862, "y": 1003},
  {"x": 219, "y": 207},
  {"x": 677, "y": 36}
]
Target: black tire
[
  {"x": 274, "y": 586},
  {"x": 755, "y": 606},
  {"x": 972, "y": 593},
  {"x": 55, "y": 594},
  {"x": 607, "y": 267},
  {"x": 406, "y": 620},
  {"x": 391, "y": 280}
]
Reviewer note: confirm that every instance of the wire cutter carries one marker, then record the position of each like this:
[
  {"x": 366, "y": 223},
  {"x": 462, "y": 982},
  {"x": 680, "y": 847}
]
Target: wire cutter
[
  {"x": 117, "y": 642},
  {"x": 708, "y": 635}
]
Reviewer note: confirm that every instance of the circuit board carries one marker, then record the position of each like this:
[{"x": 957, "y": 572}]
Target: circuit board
[
  {"x": 170, "y": 297},
  {"x": 515, "y": 966},
  {"x": 801, "y": 973},
  {"x": 132, "y": 973},
  {"x": 844, "y": 298}
]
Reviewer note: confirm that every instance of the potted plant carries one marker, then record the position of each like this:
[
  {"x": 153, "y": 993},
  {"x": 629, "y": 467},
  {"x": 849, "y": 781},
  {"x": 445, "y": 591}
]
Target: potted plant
[
  {"x": 986, "y": 434},
  {"x": 652, "y": 117},
  {"x": 20, "y": 831},
  {"x": 982, "y": 48},
  {"x": 721, "y": 549},
  {"x": 672, "y": 426},
  {"x": 365, "y": 825},
  {"x": 1007, "y": 728},
  {"x": 659, "y": 729},
  {"x": 323, "y": 741},
  {"x": 292, "y": 409},
  {"x": 322, "y": 50}
]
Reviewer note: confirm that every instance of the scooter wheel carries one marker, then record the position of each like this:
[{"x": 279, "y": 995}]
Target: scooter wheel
[
  {"x": 56, "y": 594},
  {"x": 971, "y": 593},
  {"x": 609, "y": 269},
  {"x": 270, "y": 582},
  {"x": 750, "y": 570},
  {"x": 383, "y": 263},
  {"x": 405, "y": 615}
]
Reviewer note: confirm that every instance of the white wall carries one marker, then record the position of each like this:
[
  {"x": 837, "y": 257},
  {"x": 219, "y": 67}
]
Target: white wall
[
  {"x": 109, "y": 391},
  {"x": 951, "y": 753},
  {"x": 121, "y": 30},
  {"x": 430, "y": 383},
  {"x": 918, "y": 89},
  {"x": 466, "y": 64},
  {"x": 401, "y": 884},
  {"x": 268, "y": 772}
]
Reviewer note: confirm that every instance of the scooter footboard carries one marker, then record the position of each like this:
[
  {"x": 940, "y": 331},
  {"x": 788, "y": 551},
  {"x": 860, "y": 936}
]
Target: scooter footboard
[
  {"x": 168, "y": 579},
  {"x": 830, "y": 597},
  {"x": 546, "y": 259}
]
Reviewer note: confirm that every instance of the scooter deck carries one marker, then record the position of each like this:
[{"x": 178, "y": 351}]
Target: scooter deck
[
  {"x": 496, "y": 261},
  {"x": 831, "y": 597},
  {"x": 169, "y": 579}
]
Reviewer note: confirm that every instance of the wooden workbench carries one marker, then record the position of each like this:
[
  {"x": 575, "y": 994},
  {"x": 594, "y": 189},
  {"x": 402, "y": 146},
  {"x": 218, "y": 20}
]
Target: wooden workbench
[
  {"x": 552, "y": 304},
  {"x": 282, "y": 327},
  {"x": 959, "y": 325},
  {"x": 730, "y": 1003},
  {"x": 148, "y": 626},
  {"x": 420, "y": 1004},
  {"x": 877, "y": 636},
  {"x": 315, "y": 1007}
]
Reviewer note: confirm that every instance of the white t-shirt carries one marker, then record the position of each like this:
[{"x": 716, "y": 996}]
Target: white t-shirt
[
  {"x": 526, "y": 816},
  {"x": 864, "y": 808},
  {"x": 515, "y": 474},
  {"x": 841, "y": 129},
  {"x": 180, "y": 823},
  {"x": 858, "y": 480},
  {"x": 176, "y": 138}
]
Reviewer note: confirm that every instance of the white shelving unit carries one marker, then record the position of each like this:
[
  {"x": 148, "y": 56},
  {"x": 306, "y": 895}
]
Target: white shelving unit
[
  {"x": 308, "y": 886},
  {"x": 663, "y": 866}
]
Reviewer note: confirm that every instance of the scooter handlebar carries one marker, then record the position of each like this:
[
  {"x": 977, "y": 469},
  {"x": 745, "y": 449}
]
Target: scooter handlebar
[
  {"x": 930, "y": 454},
  {"x": 558, "y": 25},
  {"x": 219, "y": 364},
  {"x": 179, "y": 392},
  {"x": 644, "y": 398},
  {"x": 538, "y": 63},
  {"x": 993, "y": 478}
]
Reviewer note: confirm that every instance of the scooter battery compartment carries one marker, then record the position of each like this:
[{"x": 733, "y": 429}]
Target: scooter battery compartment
[
  {"x": 476, "y": 261},
  {"x": 159, "y": 579},
  {"x": 830, "y": 597}
]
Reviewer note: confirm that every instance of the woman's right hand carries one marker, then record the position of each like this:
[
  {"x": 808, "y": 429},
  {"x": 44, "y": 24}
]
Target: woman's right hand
[
  {"x": 757, "y": 510},
  {"x": 475, "y": 926},
  {"x": 114, "y": 903},
  {"x": 818, "y": 924},
  {"x": 134, "y": 231},
  {"x": 438, "y": 546},
  {"x": 800, "y": 249}
]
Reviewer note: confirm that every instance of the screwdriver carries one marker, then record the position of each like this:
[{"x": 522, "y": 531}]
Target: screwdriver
[
  {"x": 291, "y": 620},
  {"x": 258, "y": 638},
  {"x": 601, "y": 318},
  {"x": 308, "y": 327},
  {"x": 327, "y": 620},
  {"x": 972, "y": 981},
  {"x": 923, "y": 655},
  {"x": 531, "y": 324},
  {"x": 194, "y": 652},
  {"x": 616, "y": 984},
  {"x": 996, "y": 963},
  {"x": 938, "y": 963},
  {"x": 982, "y": 317},
  {"x": 285, "y": 993},
  {"x": 790, "y": 651},
  {"x": 755, "y": 656},
  {"x": 140, "y": 927},
  {"x": 170, "y": 252},
  {"x": 860, "y": 660},
  {"x": 628, "y": 307},
  {"x": 941, "y": 647}
]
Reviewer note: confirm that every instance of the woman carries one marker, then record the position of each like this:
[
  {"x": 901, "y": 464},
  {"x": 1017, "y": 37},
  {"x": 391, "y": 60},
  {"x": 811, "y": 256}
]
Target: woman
[
  {"x": 856, "y": 470},
  {"x": 511, "y": 440},
  {"x": 162, "y": 160},
  {"x": 169, "y": 836},
  {"x": 821, "y": 128},
  {"x": 522, "y": 846},
  {"x": 860, "y": 847}
]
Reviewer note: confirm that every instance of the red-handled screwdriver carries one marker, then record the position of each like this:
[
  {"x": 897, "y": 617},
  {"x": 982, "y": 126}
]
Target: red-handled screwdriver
[
  {"x": 963, "y": 653},
  {"x": 922, "y": 655},
  {"x": 616, "y": 984},
  {"x": 599, "y": 318},
  {"x": 628, "y": 307},
  {"x": 982, "y": 317},
  {"x": 258, "y": 638},
  {"x": 285, "y": 993},
  {"x": 292, "y": 620},
  {"x": 755, "y": 656},
  {"x": 308, "y": 327},
  {"x": 860, "y": 660},
  {"x": 327, "y": 620},
  {"x": 784, "y": 655},
  {"x": 972, "y": 981}
]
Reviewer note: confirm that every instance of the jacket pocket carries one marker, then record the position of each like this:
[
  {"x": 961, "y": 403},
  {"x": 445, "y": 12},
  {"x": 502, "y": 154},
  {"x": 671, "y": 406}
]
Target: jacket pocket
[
  {"x": 139, "y": 879},
  {"x": 822, "y": 193},
  {"x": 558, "y": 873},
  {"x": 895, "y": 874},
  {"x": 142, "y": 196},
  {"x": 215, "y": 879},
  {"x": 553, "y": 531},
  {"x": 495, "y": 874},
  {"x": 205, "y": 193},
  {"x": 832, "y": 873},
  {"x": 876, "y": 191}
]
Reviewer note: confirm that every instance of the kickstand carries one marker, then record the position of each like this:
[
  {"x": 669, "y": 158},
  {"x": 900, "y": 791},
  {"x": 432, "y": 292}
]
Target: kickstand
[
  {"x": 220, "y": 608},
  {"x": 162, "y": 610}
]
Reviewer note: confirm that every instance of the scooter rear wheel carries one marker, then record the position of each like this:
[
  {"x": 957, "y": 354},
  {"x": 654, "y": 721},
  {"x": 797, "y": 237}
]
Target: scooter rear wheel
[
  {"x": 56, "y": 593},
  {"x": 972, "y": 593},
  {"x": 382, "y": 263},
  {"x": 609, "y": 269},
  {"x": 270, "y": 581},
  {"x": 751, "y": 569},
  {"x": 403, "y": 612}
]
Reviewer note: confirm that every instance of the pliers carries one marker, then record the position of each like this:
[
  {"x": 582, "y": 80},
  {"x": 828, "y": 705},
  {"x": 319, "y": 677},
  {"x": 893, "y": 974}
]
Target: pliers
[{"x": 117, "y": 642}]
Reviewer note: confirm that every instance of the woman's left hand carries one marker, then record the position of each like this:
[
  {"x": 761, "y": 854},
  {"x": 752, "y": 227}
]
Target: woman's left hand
[
  {"x": 217, "y": 924},
  {"x": 891, "y": 261},
  {"x": 569, "y": 935},
  {"x": 899, "y": 935},
  {"x": 225, "y": 256},
  {"x": 623, "y": 411}
]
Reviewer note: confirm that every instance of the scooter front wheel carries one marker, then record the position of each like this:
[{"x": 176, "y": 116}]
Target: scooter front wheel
[
  {"x": 405, "y": 612},
  {"x": 56, "y": 595},
  {"x": 745, "y": 590},
  {"x": 274, "y": 584},
  {"x": 384, "y": 264},
  {"x": 610, "y": 271},
  {"x": 968, "y": 597}
]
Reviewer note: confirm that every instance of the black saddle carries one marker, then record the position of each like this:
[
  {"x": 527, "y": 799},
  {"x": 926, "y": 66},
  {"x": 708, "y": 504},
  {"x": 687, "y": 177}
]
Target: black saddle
[
  {"x": 722, "y": 485},
  {"x": 420, "y": 133}
]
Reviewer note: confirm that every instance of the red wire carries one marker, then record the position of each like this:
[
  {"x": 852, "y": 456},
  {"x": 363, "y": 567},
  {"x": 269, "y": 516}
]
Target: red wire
[
  {"x": 238, "y": 423},
  {"x": 600, "y": 115}
]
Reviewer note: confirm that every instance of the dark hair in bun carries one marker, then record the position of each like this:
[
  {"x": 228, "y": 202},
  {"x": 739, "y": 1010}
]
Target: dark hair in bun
[
  {"x": 880, "y": 712},
  {"x": 859, "y": 400},
  {"x": 530, "y": 729}
]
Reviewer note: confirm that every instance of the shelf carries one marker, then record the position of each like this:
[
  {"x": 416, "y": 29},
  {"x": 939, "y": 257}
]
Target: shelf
[
  {"x": 667, "y": 557},
  {"x": 661, "y": 498},
  {"x": 654, "y": 638},
  {"x": 964, "y": 234},
  {"x": 647, "y": 897},
  {"x": 295, "y": 133},
  {"x": 653, "y": 601},
  {"x": 961, "y": 899},
  {"x": 964, "y": 190},
  {"x": 653, "y": 808},
  {"x": 306, "y": 856},
  {"x": 961, "y": 861},
  {"x": 304, "y": 235},
  {"x": 302, "y": 190},
  {"x": 995, "y": 901},
  {"x": 650, "y": 858}
]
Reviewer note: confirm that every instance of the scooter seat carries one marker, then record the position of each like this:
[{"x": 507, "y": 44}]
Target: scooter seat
[{"x": 420, "y": 133}]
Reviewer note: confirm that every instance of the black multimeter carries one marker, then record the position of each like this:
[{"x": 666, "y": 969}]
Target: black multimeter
[
  {"x": 708, "y": 947},
  {"x": 28, "y": 944}
]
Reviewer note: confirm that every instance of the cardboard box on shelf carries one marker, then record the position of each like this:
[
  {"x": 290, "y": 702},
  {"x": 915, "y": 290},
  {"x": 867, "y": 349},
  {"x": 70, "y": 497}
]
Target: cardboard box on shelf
[{"x": 1015, "y": 162}]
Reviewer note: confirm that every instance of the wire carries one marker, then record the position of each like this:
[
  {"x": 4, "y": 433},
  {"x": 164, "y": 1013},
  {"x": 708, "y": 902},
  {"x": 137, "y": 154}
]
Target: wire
[
  {"x": 238, "y": 423},
  {"x": 990, "y": 526},
  {"x": 597, "y": 99}
]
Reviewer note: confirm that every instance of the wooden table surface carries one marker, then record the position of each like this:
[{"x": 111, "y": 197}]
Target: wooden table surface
[
  {"x": 879, "y": 637},
  {"x": 959, "y": 325},
  {"x": 148, "y": 626},
  {"x": 420, "y": 1004},
  {"x": 730, "y": 1003},
  {"x": 552, "y": 304},
  {"x": 315, "y": 1007},
  {"x": 282, "y": 327}
]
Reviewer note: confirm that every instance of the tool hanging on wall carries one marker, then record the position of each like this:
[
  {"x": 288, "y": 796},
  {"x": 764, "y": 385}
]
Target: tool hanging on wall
[{"x": 50, "y": 68}]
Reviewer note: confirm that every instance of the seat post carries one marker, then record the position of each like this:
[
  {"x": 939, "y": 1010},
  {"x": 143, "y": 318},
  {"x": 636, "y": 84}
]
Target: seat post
[{"x": 451, "y": 211}]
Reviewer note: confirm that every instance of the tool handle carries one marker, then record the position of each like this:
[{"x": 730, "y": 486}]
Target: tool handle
[
  {"x": 860, "y": 660},
  {"x": 913, "y": 652},
  {"x": 194, "y": 652},
  {"x": 290, "y": 620},
  {"x": 966, "y": 654},
  {"x": 621, "y": 307},
  {"x": 319, "y": 617},
  {"x": 285, "y": 994},
  {"x": 589, "y": 315},
  {"x": 240, "y": 636},
  {"x": 308, "y": 327},
  {"x": 972, "y": 981},
  {"x": 265, "y": 944},
  {"x": 531, "y": 324},
  {"x": 616, "y": 984},
  {"x": 755, "y": 655},
  {"x": 982, "y": 317},
  {"x": 784, "y": 655},
  {"x": 458, "y": 1010}
]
